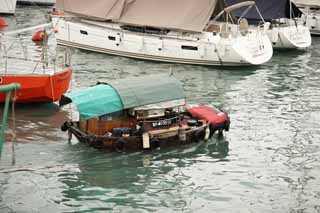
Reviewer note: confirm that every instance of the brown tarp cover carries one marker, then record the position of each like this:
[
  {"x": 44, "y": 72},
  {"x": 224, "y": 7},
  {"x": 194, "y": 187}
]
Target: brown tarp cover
[
  {"x": 188, "y": 15},
  {"x": 98, "y": 9}
]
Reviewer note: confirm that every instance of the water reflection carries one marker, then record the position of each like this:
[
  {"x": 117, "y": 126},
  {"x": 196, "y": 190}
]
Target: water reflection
[
  {"x": 140, "y": 181},
  {"x": 36, "y": 123}
]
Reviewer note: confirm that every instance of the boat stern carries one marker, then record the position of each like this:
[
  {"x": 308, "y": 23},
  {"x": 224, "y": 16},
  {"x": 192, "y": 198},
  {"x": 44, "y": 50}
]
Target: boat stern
[
  {"x": 293, "y": 35},
  {"x": 254, "y": 48}
]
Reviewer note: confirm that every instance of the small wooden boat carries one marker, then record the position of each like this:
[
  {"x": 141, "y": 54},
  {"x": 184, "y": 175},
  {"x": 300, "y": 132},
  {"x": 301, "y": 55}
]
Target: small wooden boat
[
  {"x": 140, "y": 113},
  {"x": 43, "y": 78}
]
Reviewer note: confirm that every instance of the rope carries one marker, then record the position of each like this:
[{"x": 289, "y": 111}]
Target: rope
[
  {"x": 218, "y": 54},
  {"x": 51, "y": 85},
  {"x": 14, "y": 135}
]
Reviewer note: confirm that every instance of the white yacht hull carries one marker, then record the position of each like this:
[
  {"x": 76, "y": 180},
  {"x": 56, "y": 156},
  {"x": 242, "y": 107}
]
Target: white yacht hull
[
  {"x": 189, "y": 48},
  {"x": 290, "y": 37},
  {"x": 313, "y": 22},
  {"x": 7, "y": 6},
  {"x": 311, "y": 15}
]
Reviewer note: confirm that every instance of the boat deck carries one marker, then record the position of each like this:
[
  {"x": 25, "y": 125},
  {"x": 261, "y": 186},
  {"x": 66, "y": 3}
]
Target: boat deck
[{"x": 16, "y": 58}]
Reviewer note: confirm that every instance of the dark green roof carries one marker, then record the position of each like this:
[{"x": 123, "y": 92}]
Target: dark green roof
[{"x": 149, "y": 89}]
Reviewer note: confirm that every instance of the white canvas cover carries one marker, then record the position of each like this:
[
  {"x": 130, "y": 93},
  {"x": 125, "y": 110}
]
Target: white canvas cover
[{"x": 188, "y": 15}]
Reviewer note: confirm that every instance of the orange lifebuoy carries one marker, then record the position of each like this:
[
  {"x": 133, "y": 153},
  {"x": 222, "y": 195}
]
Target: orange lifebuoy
[
  {"x": 2, "y": 22},
  {"x": 40, "y": 35}
]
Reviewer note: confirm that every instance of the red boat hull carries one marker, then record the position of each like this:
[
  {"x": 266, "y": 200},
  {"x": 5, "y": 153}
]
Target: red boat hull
[{"x": 38, "y": 88}]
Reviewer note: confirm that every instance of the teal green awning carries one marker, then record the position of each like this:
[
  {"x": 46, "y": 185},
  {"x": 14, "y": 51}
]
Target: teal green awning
[
  {"x": 124, "y": 94},
  {"x": 95, "y": 101},
  {"x": 149, "y": 89}
]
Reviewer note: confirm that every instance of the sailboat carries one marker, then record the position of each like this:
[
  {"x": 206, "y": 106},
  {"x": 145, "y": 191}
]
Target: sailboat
[
  {"x": 8, "y": 6},
  {"x": 311, "y": 14},
  {"x": 160, "y": 30},
  {"x": 287, "y": 30}
]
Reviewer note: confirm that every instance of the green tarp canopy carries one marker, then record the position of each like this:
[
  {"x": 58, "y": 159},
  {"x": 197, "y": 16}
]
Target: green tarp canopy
[
  {"x": 94, "y": 101},
  {"x": 126, "y": 93}
]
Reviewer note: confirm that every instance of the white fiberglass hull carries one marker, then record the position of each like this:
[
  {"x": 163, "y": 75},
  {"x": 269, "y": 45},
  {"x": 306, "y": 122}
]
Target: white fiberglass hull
[
  {"x": 7, "y": 6},
  {"x": 189, "y": 48},
  {"x": 313, "y": 22},
  {"x": 290, "y": 37},
  {"x": 311, "y": 14}
]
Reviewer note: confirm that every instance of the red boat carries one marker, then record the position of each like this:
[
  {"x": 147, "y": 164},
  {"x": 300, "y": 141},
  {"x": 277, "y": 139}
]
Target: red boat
[
  {"x": 42, "y": 71},
  {"x": 36, "y": 88}
]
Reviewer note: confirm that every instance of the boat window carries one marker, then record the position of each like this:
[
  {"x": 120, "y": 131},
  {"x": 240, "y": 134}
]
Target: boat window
[
  {"x": 112, "y": 38},
  {"x": 314, "y": 8},
  {"x": 149, "y": 30},
  {"x": 83, "y": 32},
  {"x": 186, "y": 47}
]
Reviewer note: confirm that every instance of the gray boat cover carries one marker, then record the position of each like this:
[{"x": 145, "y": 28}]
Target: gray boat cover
[
  {"x": 187, "y": 15},
  {"x": 270, "y": 9}
]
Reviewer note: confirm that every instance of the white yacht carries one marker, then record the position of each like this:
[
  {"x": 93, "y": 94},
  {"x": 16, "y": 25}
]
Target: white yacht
[
  {"x": 311, "y": 14},
  {"x": 287, "y": 29},
  {"x": 37, "y": 2},
  {"x": 161, "y": 30},
  {"x": 8, "y": 6}
]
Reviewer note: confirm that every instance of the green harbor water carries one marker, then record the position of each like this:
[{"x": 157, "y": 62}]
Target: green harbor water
[{"x": 269, "y": 161}]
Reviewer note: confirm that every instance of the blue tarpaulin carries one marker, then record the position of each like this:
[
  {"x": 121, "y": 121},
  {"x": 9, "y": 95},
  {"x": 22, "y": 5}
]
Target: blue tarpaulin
[{"x": 270, "y": 9}]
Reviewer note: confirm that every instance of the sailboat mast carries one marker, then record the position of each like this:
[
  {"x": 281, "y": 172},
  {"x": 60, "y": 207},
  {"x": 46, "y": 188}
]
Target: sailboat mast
[{"x": 290, "y": 2}]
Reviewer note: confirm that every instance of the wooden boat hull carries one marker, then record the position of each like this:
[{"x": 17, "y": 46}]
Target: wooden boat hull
[
  {"x": 38, "y": 88},
  {"x": 134, "y": 143}
]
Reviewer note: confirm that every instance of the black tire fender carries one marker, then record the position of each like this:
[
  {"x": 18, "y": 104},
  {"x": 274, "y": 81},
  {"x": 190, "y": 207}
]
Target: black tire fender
[
  {"x": 119, "y": 145},
  {"x": 198, "y": 135},
  {"x": 65, "y": 126},
  {"x": 154, "y": 143}
]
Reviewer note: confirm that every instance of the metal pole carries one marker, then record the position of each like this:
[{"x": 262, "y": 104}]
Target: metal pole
[
  {"x": 290, "y": 9},
  {"x": 7, "y": 89},
  {"x": 4, "y": 120}
]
